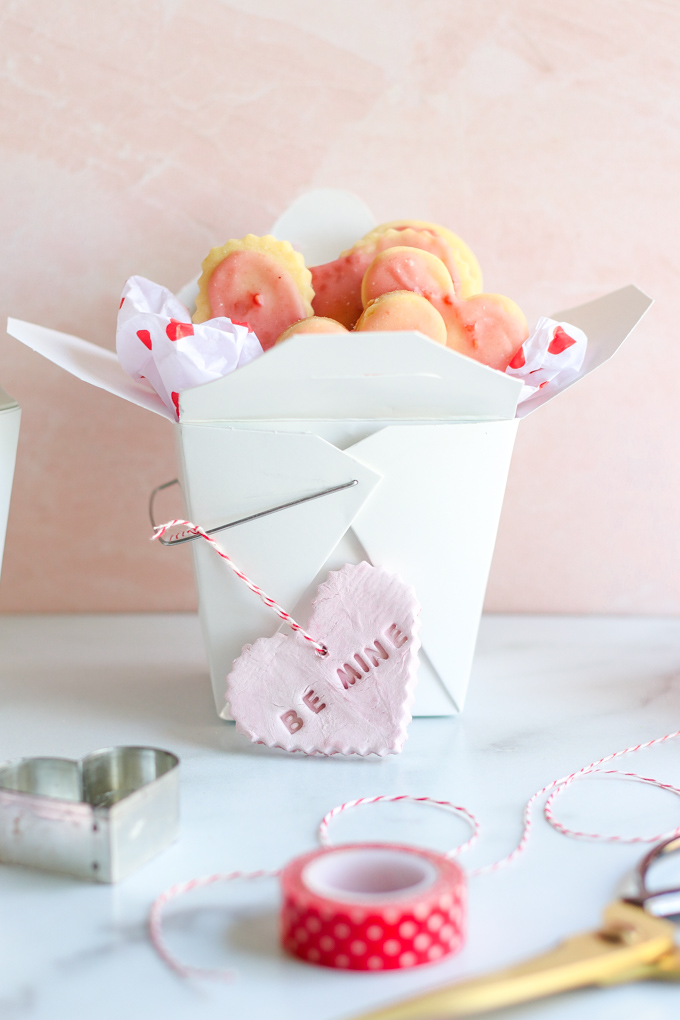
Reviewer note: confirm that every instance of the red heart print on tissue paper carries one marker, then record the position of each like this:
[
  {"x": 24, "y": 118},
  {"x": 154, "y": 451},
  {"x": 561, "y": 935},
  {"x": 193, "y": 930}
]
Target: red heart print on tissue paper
[
  {"x": 175, "y": 329},
  {"x": 357, "y": 698},
  {"x": 158, "y": 344},
  {"x": 550, "y": 359},
  {"x": 519, "y": 361},
  {"x": 560, "y": 341}
]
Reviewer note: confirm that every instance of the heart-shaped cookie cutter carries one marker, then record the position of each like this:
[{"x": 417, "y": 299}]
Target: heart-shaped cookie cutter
[{"x": 99, "y": 818}]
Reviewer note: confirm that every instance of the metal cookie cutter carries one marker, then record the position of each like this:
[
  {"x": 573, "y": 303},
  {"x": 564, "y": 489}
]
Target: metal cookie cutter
[{"x": 99, "y": 818}]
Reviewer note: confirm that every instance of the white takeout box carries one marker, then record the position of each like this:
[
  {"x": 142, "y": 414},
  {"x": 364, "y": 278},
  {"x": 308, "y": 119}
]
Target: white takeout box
[
  {"x": 10, "y": 416},
  {"x": 426, "y": 432}
]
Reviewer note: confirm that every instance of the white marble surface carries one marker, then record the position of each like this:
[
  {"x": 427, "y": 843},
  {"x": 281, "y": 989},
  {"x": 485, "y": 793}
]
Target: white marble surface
[{"x": 548, "y": 696}]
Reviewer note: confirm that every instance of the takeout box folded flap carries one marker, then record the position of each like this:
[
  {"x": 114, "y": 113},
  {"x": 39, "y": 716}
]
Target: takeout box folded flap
[
  {"x": 87, "y": 361},
  {"x": 433, "y": 519},
  {"x": 367, "y": 375},
  {"x": 322, "y": 223},
  {"x": 229, "y": 473},
  {"x": 356, "y": 375},
  {"x": 607, "y": 322}
]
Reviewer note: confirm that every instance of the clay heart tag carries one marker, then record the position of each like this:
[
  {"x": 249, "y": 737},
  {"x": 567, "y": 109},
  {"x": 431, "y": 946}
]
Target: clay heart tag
[{"x": 357, "y": 698}]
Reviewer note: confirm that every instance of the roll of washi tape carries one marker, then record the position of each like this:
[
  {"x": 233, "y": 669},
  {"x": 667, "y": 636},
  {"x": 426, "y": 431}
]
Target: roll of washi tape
[{"x": 372, "y": 906}]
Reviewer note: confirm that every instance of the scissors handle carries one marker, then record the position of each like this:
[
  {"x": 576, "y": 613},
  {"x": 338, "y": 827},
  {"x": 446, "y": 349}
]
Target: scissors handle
[{"x": 629, "y": 945}]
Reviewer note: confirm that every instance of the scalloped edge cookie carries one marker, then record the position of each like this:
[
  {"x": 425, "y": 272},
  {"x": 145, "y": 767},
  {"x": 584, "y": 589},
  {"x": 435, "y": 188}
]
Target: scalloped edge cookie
[
  {"x": 282, "y": 251},
  {"x": 468, "y": 267}
]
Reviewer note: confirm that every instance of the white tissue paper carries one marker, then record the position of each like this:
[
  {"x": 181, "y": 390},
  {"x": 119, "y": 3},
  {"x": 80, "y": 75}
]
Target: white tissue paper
[
  {"x": 156, "y": 341},
  {"x": 550, "y": 358}
]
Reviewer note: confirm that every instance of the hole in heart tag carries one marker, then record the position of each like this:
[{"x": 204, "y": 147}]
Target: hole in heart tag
[{"x": 354, "y": 695}]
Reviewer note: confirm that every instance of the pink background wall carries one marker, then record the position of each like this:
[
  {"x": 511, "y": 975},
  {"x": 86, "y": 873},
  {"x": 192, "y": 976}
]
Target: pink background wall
[{"x": 136, "y": 134}]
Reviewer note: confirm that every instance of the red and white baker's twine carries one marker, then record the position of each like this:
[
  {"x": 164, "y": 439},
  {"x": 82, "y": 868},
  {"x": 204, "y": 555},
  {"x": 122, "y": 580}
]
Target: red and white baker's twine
[
  {"x": 554, "y": 789},
  {"x": 324, "y": 838},
  {"x": 559, "y": 785},
  {"x": 195, "y": 529},
  {"x": 156, "y": 920}
]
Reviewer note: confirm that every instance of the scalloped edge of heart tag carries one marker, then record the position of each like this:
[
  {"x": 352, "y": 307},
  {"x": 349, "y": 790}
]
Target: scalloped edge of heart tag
[{"x": 260, "y": 705}]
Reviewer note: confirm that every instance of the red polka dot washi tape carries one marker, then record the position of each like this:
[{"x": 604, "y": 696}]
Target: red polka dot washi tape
[{"x": 372, "y": 906}]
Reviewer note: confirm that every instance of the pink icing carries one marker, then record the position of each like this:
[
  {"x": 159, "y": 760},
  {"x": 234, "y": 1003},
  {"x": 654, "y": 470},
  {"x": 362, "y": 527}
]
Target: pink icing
[
  {"x": 337, "y": 285},
  {"x": 484, "y": 329},
  {"x": 252, "y": 286},
  {"x": 408, "y": 271}
]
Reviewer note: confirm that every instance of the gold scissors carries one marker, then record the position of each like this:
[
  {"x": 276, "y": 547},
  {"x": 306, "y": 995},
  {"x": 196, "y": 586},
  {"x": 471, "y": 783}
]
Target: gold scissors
[{"x": 633, "y": 944}]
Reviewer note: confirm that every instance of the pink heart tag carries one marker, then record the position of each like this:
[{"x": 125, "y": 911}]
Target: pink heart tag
[{"x": 356, "y": 699}]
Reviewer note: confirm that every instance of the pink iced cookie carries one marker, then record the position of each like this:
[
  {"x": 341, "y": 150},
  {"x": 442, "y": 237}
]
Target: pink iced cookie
[
  {"x": 313, "y": 324},
  {"x": 413, "y": 269},
  {"x": 403, "y": 310},
  {"x": 354, "y": 700},
  {"x": 337, "y": 285},
  {"x": 460, "y": 261},
  {"x": 260, "y": 281},
  {"x": 488, "y": 327}
]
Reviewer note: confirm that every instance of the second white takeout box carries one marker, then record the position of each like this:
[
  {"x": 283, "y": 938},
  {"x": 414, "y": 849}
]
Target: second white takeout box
[
  {"x": 426, "y": 432},
  {"x": 10, "y": 417}
]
